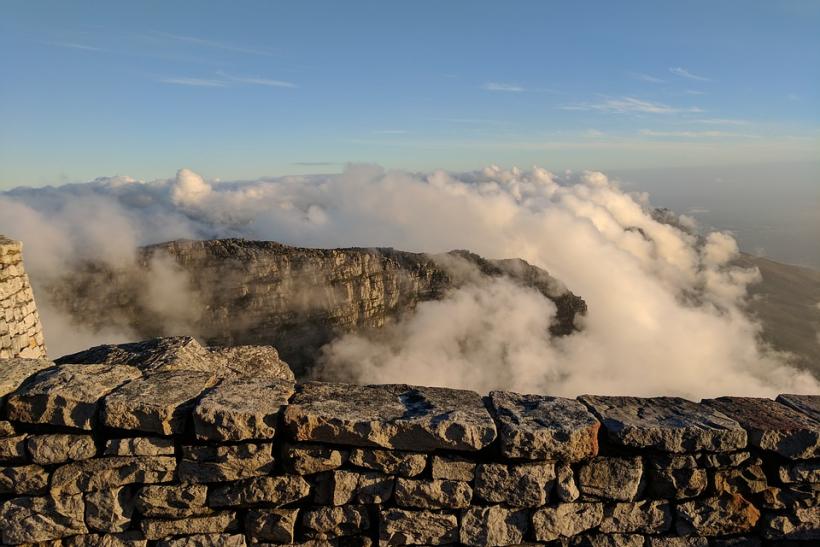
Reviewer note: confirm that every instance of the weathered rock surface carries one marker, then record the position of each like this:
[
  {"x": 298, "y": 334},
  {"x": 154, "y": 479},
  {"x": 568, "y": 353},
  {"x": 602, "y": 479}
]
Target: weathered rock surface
[
  {"x": 608, "y": 540},
  {"x": 211, "y": 524},
  {"x": 24, "y": 480},
  {"x": 493, "y": 526},
  {"x": 432, "y": 494},
  {"x": 226, "y": 413},
  {"x": 716, "y": 516},
  {"x": 131, "y": 538},
  {"x": 160, "y": 403},
  {"x": 453, "y": 468},
  {"x": 307, "y": 459},
  {"x": 565, "y": 487},
  {"x": 791, "y": 496},
  {"x": 172, "y": 501},
  {"x": 671, "y": 424},
  {"x": 32, "y": 520},
  {"x": 60, "y": 448},
  {"x": 390, "y": 416},
  {"x": 746, "y": 481},
  {"x": 333, "y": 522},
  {"x": 274, "y": 491},
  {"x": 139, "y": 446},
  {"x": 566, "y": 520},
  {"x": 111, "y": 472},
  {"x": 342, "y": 487},
  {"x": 390, "y": 462},
  {"x": 274, "y": 525},
  {"x": 400, "y": 527},
  {"x": 677, "y": 483},
  {"x": 67, "y": 395},
  {"x": 807, "y": 404},
  {"x": 225, "y": 463},
  {"x": 13, "y": 449},
  {"x": 800, "y": 472},
  {"x": 261, "y": 362},
  {"x": 800, "y": 524},
  {"x": 14, "y": 371},
  {"x": 205, "y": 540},
  {"x": 295, "y": 299},
  {"x": 646, "y": 517},
  {"x": 538, "y": 427},
  {"x": 109, "y": 509},
  {"x": 611, "y": 478},
  {"x": 517, "y": 485},
  {"x": 772, "y": 426}
]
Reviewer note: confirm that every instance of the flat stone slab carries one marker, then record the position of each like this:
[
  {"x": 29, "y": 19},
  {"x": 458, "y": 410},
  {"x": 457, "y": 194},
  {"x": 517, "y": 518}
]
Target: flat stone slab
[
  {"x": 772, "y": 426},
  {"x": 170, "y": 353},
  {"x": 13, "y": 372},
  {"x": 670, "y": 424},
  {"x": 111, "y": 472},
  {"x": 241, "y": 409},
  {"x": 67, "y": 395},
  {"x": 158, "y": 403},
  {"x": 807, "y": 404},
  {"x": 538, "y": 427},
  {"x": 255, "y": 361},
  {"x": 390, "y": 416}
]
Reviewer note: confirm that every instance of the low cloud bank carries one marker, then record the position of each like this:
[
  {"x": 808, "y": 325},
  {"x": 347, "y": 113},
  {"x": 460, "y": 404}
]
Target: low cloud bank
[{"x": 665, "y": 305}]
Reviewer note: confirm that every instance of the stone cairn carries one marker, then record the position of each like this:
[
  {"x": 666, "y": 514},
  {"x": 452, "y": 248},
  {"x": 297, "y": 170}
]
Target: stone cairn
[
  {"x": 168, "y": 443},
  {"x": 21, "y": 334}
]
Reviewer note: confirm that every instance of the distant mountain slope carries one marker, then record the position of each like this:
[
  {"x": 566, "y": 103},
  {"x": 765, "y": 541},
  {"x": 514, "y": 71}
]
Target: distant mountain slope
[{"x": 786, "y": 301}]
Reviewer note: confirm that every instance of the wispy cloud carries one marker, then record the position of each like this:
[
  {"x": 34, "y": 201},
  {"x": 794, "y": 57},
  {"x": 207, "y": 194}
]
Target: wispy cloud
[
  {"x": 74, "y": 45},
  {"x": 195, "y": 82},
  {"x": 623, "y": 105},
  {"x": 501, "y": 86},
  {"x": 694, "y": 92},
  {"x": 722, "y": 121},
  {"x": 214, "y": 44},
  {"x": 696, "y": 134},
  {"x": 646, "y": 78},
  {"x": 257, "y": 81},
  {"x": 683, "y": 73},
  {"x": 390, "y": 131}
]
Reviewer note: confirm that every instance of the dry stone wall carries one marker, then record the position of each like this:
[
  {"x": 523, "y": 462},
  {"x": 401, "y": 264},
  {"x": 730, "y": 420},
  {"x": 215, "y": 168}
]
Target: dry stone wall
[
  {"x": 21, "y": 334},
  {"x": 168, "y": 443}
]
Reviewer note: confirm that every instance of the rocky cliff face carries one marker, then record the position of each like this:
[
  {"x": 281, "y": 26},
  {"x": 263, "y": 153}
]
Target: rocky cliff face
[{"x": 296, "y": 299}]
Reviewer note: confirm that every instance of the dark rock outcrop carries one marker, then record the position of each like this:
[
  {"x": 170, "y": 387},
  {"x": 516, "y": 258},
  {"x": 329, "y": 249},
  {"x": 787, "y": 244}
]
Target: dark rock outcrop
[{"x": 296, "y": 299}]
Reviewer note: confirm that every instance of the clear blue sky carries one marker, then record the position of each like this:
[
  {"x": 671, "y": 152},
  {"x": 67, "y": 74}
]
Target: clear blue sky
[{"x": 247, "y": 89}]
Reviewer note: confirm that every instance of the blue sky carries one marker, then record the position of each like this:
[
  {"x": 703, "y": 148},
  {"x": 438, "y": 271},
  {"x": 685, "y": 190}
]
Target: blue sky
[{"x": 249, "y": 89}]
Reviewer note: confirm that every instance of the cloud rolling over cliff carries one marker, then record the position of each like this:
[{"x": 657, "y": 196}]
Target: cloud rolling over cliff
[{"x": 665, "y": 306}]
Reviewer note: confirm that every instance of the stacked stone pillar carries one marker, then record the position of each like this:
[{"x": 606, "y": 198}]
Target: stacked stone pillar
[{"x": 21, "y": 334}]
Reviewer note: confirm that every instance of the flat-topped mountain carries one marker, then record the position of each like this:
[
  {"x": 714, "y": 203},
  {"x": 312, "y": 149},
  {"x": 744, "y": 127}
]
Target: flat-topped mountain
[{"x": 296, "y": 299}]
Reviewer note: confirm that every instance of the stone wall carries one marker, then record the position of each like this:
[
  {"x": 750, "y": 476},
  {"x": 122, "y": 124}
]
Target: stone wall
[
  {"x": 21, "y": 334},
  {"x": 168, "y": 443}
]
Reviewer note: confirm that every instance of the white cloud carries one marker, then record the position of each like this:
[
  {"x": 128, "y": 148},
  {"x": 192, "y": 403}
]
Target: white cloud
[
  {"x": 213, "y": 44},
  {"x": 666, "y": 311},
  {"x": 721, "y": 121},
  {"x": 697, "y": 134},
  {"x": 501, "y": 86},
  {"x": 683, "y": 73},
  {"x": 646, "y": 78},
  {"x": 194, "y": 82},
  {"x": 624, "y": 105},
  {"x": 74, "y": 45}
]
